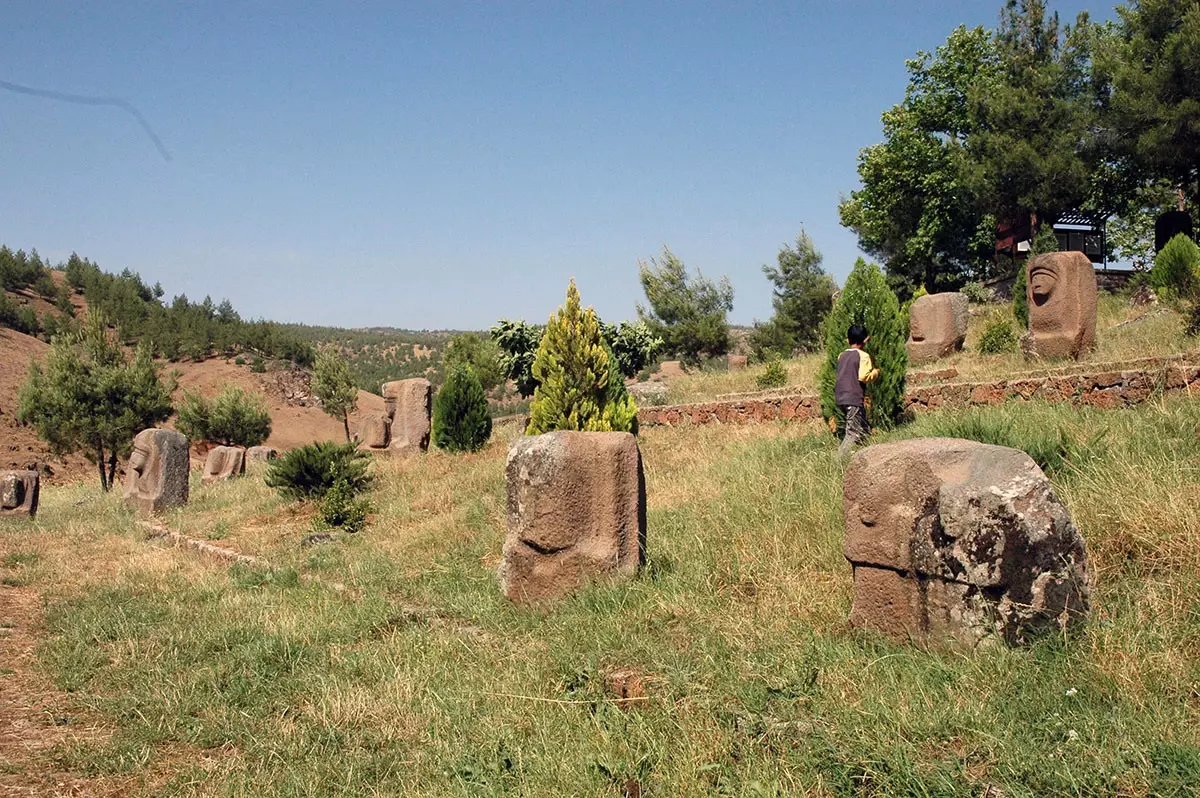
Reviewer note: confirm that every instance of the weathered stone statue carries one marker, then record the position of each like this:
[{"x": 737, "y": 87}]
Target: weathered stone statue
[
  {"x": 737, "y": 362},
  {"x": 410, "y": 406},
  {"x": 958, "y": 541},
  {"x": 576, "y": 513},
  {"x": 224, "y": 462},
  {"x": 374, "y": 432},
  {"x": 937, "y": 326},
  {"x": 157, "y": 477},
  {"x": 257, "y": 456},
  {"x": 1061, "y": 288},
  {"x": 19, "y": 493}
]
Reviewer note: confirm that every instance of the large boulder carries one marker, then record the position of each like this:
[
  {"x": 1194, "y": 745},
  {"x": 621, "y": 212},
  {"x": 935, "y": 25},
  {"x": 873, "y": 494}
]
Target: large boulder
[
  {"x": 410, "y": 406},
  {"x": 937, "y": 326},
  {"x": 157, "y": 476},
  {"x": 576, "y": 513},
  {"x": 19, "y": 492},
  {"x": 953, "y": 540},
  {"x": 260, "y": 455},
  {"x": 224, "y": 462},
  {"x": 374, "y": 432},
  {"x": 1061, "y": 289}
]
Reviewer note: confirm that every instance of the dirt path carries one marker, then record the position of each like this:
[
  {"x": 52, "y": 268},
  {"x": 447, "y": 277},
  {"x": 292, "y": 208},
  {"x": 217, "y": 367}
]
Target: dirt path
[{"x": 34, "y": 716}]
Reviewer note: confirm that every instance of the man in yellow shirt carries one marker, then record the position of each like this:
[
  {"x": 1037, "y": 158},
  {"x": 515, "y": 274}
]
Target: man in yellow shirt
[{"x": 854, "y": 371}]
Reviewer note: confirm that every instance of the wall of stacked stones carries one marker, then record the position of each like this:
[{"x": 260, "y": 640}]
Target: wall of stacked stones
[{"x": 1106, "y": 387}]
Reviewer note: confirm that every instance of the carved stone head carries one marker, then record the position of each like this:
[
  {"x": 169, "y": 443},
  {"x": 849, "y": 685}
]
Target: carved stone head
[
  {"x": 1061, "y": 289},
  {"x": 157, "y": 476}
]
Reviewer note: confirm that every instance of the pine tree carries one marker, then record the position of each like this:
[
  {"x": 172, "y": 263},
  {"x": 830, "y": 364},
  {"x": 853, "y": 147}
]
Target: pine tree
[
  {"x": 233, "y": 418},
  {"x": 88, "y": 397},
  {"x": 461, "y": 422},
  {"x": 578, "y": 384},
  {"x": 868, "y": 300},
  {"x": 333, "y": 384}
]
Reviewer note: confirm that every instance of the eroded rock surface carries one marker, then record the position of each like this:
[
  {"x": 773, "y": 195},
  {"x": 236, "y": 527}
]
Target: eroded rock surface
[
  {"x": 576, "y": 513},
  {"x": 19, "y": 491},
  {"x": 937, "y": 326},
  {"x": 957, "y": 540},
  {"x": 410, "y": 407}
]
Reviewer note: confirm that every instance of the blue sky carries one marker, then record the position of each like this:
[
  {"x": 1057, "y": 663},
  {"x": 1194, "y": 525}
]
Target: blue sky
[{"x": 442, "y": 165}]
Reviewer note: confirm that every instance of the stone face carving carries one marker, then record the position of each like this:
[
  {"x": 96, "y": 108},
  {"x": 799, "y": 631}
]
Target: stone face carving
[
  {"x": 958, "y": 541},
  {"x": 259, "y": 455},
  {"x": 19, "y": 492},
  {"x": 937, "y": 326},
  {"x": 576, "y": 512},
  {"x": 374, "y": 432},
  {"x": 157, "y": 477},
  {"x": 1061, "y": 288},
  {"x": 409, "y": 404},
  {"x": 224, "y": 462}
]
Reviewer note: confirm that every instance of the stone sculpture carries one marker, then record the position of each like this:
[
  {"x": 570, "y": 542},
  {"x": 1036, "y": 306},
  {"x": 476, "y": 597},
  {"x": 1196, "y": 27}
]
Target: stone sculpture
[
  {"x": 958, "y": 541},
  {"x": 224, "y": 462},
  {"x": 374, "y": 432},
  {"x": 157, "y": 477},
  {"x": 410, "y": 405},
  {"x": 737, "y": 362},
  {"x": 576, "y": 513},
  {"x": 1061, "y": 288},
  {"x": 19, "y": 492},
  {"x": 937, "y": 326},
  {"x": 259, "y": 455}
]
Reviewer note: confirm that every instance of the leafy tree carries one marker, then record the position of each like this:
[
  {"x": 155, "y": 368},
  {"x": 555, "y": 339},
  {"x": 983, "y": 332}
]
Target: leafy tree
[
  {"x": 867, "y": 300},
  {"x": 1131, "y": 232},
  {"x": 233, "y": 418},
  {"x": 518, "y": 344},
  {"x": 333, "y": 385},
  {"x": 915, "y": 210},
  {"x": 1153, "y": 67},
  {"x": 633, "y": 345},
  {"x": 578, "y": 384},
  {"x": 461, "y": 422},
  {"x": 687, "y": 313},
  {"x": 481, "y": 354},
  {"x": 89, "y": 397},
  {"x": 1177, "y": 268},
  {"x": 803, "y": 295}
]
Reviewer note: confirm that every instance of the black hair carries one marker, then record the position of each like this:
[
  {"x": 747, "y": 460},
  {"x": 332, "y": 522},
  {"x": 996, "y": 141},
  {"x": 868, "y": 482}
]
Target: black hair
[{"x": 857, "y": 334}]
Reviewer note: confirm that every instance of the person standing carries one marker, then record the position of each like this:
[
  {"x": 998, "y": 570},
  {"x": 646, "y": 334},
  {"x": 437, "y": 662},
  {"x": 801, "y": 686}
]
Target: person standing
[{"x": 854, "y": 371}]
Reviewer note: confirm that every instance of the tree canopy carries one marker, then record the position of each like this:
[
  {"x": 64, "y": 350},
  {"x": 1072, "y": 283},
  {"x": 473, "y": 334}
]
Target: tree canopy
[
  {"x": 803, "y": 294},
  {"x": 688, "y": 312}
]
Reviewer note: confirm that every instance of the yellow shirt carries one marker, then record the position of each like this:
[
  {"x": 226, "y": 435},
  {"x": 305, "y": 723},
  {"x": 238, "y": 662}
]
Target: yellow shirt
[{"x": 865, "y": 366}]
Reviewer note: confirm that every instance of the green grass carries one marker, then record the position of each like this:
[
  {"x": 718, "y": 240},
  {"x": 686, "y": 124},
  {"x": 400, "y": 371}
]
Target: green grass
[{"x": 418, "y": 678}]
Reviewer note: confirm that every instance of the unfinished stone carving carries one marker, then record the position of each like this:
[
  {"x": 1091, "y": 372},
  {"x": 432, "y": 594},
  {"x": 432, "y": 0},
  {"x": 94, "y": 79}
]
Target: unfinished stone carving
[
  {"x": 260, "y": 455},
  {"x": 157, "y": 477},
  {"x": 409, "y": 404},
  {"x": 1061, "y": 288},
  {"x": 737, "y": 362},
  {"x": 576, "y": 513},
  {"x": 374, "y": 432},
  {"x": 958, "y": 541},
  {"x": 224, "y": 462},
  {"x": 937, "y": 326},
  {"x": 19, "y": 492}
]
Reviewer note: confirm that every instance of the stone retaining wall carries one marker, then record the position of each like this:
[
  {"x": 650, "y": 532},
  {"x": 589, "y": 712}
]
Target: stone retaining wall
[{"x": 1107, "y": 389}]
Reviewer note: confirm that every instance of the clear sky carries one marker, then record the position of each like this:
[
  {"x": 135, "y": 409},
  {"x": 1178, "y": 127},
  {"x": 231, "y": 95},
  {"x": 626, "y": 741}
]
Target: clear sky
[{"x": 442, "y": 165}]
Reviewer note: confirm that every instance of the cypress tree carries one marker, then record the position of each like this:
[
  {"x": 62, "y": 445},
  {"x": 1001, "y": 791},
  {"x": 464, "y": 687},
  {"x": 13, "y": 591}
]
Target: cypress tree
[
  {"x": 460, "y": 412},
  {"x": 579, "y": 386},
  {"x": 868, "y": 300}
]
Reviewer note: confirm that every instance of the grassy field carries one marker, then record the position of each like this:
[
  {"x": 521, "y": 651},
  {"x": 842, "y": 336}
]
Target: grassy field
[
  {"x": 387, "y": 663},
  {"x": 1122, "y": 333}
]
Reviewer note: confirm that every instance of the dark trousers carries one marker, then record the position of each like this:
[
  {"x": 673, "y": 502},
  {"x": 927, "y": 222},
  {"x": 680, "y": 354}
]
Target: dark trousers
[{"x": 856, "y": 427}]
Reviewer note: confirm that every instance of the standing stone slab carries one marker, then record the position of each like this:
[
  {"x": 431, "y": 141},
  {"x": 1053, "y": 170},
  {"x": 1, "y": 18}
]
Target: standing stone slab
[
  {"x": 374, "y": 432},
  {"x": 19, "y": 491},
  {"x": 1061, "y": 289},
  {"x": 961, "y": 541},
  {"x": 576, "y": 513},
  {"x": 224, "y": 462},
  {"x": 157, "y": 477},
  {"x": 937, "y": 326},
  {"x": 410, "y": 405},
  {"x": 737, "y": 362}
]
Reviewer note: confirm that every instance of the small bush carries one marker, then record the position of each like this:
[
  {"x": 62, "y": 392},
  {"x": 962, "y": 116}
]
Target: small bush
[
  {"x": 978, "y": 293},
  {"x": 461, "y": 422},
  {"x": 775, "y": 375},
  {"x": 309, "y": 472},
  {"x": 258, "y": 366},
  {"x": 1177, "y": 268},
  {"x": 1020, "y": 299},
  {"x": 239, "y": 361},
  {"x": 342, "y": 508},
  {"x": 998, "y": 336},
  {"x": 1192, "y": 326},
  {"x": 233, "y": 418}
]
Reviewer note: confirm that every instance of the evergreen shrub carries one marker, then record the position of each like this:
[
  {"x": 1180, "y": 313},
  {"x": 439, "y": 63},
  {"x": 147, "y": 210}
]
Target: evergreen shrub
[
  {"x": 309, "y": 472},
  {"x": 342, "y": 508},
  {"x": 1177, "y": 268},
  {"x": 998, "y": 336},
  {"x": 233, "y": 418},
  {"x": 867, "y": 299},
  {"x": 461, "y": 422},
  {"x": 1020, "y": 298},
  {"x": 775, "y": 375},
  {"x": 579, "y": 386}
]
